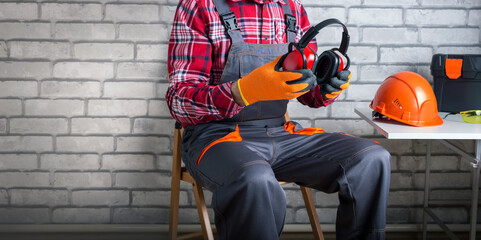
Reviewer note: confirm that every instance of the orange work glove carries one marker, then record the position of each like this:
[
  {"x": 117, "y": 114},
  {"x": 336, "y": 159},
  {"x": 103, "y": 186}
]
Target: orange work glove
[
  {"x": 269, "y": 83},
  {"x": 335, "y": 85}
]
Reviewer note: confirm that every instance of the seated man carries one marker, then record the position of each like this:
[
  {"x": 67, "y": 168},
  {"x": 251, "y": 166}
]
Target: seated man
[{"x": 229, "y": 94}]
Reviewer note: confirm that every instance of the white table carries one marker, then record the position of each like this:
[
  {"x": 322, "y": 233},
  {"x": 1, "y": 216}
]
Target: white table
[{"x": 453, "y": 128}]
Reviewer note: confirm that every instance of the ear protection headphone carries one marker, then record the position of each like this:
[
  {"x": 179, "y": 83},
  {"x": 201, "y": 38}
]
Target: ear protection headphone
[{"x": 324, "y": 66}]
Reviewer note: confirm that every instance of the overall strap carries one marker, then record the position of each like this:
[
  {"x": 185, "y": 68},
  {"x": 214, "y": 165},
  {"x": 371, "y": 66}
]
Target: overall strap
[
  {"x": 229, "y": 20},
  {"x": 290, "y": 22}
]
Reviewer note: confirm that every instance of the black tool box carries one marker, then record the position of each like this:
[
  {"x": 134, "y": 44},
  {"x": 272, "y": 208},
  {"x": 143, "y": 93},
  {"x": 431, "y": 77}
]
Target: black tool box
[{"x": 457, "y": 82}]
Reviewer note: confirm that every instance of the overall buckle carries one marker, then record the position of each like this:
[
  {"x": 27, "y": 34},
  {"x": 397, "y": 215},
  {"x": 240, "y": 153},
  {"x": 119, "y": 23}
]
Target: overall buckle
[
  {"x": 290, "y": 22},
  {"x": 230, "y": 21}
]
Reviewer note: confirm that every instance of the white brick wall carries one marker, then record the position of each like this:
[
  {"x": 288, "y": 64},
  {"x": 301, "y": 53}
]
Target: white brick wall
[{"x": 86, "y": 135}]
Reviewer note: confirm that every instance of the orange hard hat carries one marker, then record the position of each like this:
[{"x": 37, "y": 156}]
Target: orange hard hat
[{"x": 407, "y": 97}]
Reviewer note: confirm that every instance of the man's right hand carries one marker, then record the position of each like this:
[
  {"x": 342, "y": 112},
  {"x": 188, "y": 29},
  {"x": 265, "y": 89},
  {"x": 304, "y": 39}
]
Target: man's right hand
[{"x": 269, "y": 83}]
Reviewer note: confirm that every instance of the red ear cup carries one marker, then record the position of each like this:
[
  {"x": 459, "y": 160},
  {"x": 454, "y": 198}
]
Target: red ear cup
[
  {"x": 327, "y": 66},
  {"x": 295, "y": 60}
]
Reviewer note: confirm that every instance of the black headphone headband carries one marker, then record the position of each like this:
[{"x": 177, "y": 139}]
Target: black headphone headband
[{"x": 313, "y": 31}]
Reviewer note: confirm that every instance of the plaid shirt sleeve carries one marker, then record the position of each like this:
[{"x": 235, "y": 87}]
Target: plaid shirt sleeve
[{"x": 190, "y": 97}]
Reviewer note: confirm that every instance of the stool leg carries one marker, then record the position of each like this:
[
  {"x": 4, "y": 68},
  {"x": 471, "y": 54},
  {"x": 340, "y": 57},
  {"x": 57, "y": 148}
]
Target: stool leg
[
  {"x": 202, "y": 209},
  {"x": 311, "y": 212},
  {"x": 174, "y": 206}
]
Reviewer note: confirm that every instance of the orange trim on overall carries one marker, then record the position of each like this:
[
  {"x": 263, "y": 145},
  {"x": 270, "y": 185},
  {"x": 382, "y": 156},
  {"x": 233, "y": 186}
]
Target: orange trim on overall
[
  {"x": 291, "y": 128},
  {"x": 231, "y": 137},
  {"x": 453, "y": 68}
]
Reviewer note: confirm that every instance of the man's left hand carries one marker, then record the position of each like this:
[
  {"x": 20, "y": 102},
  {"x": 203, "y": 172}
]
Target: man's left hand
[{"x": 334, "y": 86}]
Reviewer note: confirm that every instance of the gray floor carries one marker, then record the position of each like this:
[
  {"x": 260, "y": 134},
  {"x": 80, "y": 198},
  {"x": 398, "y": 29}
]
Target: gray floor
[{"x": 157, "y": 236}]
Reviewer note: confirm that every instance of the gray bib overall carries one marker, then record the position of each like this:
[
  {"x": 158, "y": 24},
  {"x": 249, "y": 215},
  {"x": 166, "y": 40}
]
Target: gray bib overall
[{"x": 260, "y": 148}]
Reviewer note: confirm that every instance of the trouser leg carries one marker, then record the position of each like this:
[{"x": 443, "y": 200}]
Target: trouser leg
[
  {"x": 248, "y": 201},
  {"x": 358, "y": 169}
]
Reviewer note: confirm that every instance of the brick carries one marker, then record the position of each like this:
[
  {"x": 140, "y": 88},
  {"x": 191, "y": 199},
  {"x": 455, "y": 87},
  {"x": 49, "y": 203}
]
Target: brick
[
  {"x": 3, "y": 49},
  {"x": 9, "y": 30},
  {"x": 318, "y": 14},
  {"x": 378, "y": 73},
  {"x": 298, "y": 110},
  {"x": 167, "y": 13},
  {"x": 100, "y": 198},
  {"x": 401, "y": 181},
  {"x": 363, "y": 92},
  {"x": 81, "y": 215},
  {"x": 328, "y": 2},
  {"x": 444, "y": 180},
  {"x": 449, "y": 215},
  {"x": 54, "y": 107},
  {"x": 113, "y": 51},
  {"x": 92, "y": 70},
  {"x": 132, "y": 12},
  {"x": 391, "y": 3},
  {"x": 24, "y": 179},
  {"x": 455, "y": 194},
  {"x": 13, "y": 215},
  {"x": 412, "y": 55},
  {"x": 395, "y": 146},
  {"x": 416, "y": 163},
  {"x": 117, "y": 108},
  {"x": 143, "y": 144},
  {"x": 474, "y": 17},
  {"x": 71, "y": 89},
  {"x": 448, "y": 17},
  {"x": 100, "y": 125},
  {"x": 39, "y": 125},
  {"x": 49, "y": 197},
  {"x": 154, "y": 126},
  {"x": 18, "y": 161},
  {"x": 436, "y": 36},
  {"x": 69, "y": 161},
  {"x": 84, "y": 144},
  {"x": 375, "y": 16},
  {"x": 152, "y": 52},
  {"x": 10, "y": 107},
  {"x": 24, "y": 11},
  {"x": 128, "y": 162},
  {"x": 68, "y": 11},
  {"x": 355, "y": 127},
  {"x": 406, "y": 198},
  {"x": 25, "y": 143},
  {"x": 129, "y": 90},
  {"x": 190, "y": 215},
  {"x": 144, "y": 32},
  {"x": 158, "y": 109},
  {"x": 142, "y": 70},
  {"x": 24, "y": 69},
  {"x": 439, "y": 148},
  {"x": 326, "y": 215},
  {"x": 142, "y": 180},
  {"x": 451, "y": 3},
  {"x": 363, "y": 54},
  {"x": 3, "y": 125},
  {"x": 3, "y": 197},
  {"x": 143, "y": 215},
  {"x": 459, "y": 50},
  {"x": 326, "y": 199},
  {"x": 164, "y": 162},
  {"x": 38, "y": 49},
  {"x": 18, "y": 89},
  {"x": 82, "y": 179},
  {"x": 346, "y": 109},
  {"x": 86, "y": 31},
  {"x": 399, "y": 215},
  {"x": 156, "y": 198},
  {"x": 162, "y": 90},
  {"x": 392, "y": 35}
]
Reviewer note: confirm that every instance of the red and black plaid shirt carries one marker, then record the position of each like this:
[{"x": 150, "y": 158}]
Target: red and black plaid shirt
[{"x": 198, "y": 49}]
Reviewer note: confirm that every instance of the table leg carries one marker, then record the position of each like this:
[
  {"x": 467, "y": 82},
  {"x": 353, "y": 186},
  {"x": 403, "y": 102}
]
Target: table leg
[
  {"x": 427, "y": 171},
  {"x": 474, "y": 202}
]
